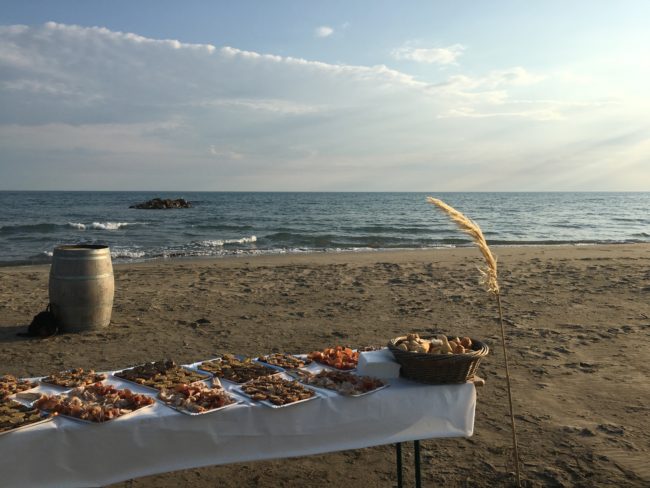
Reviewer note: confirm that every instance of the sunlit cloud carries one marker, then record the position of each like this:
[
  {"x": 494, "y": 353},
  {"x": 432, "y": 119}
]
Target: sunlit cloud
[
  {"x": 323, "y": 31},
  {"x": 470, "y": 112},
  {"x": 433, "y": 55},
  {"x": 225, "y": 153}
]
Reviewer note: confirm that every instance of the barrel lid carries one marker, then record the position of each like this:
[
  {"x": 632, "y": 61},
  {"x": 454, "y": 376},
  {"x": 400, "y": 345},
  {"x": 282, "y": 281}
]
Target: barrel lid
[{"x": 82, "y": 249}]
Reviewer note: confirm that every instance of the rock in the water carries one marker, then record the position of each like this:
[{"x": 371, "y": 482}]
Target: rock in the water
[{"x": 159, "y": 203}]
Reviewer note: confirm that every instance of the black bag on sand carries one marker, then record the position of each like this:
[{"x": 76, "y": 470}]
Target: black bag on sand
[{"x": 44, "y": 324}]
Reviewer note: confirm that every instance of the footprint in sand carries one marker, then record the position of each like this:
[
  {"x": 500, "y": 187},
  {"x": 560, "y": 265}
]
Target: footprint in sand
[{"x": 582, "y": 366}]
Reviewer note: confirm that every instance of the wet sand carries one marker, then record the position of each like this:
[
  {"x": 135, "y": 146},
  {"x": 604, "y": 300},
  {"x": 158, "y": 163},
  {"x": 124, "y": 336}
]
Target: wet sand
[{"x": 578, "y": 325}]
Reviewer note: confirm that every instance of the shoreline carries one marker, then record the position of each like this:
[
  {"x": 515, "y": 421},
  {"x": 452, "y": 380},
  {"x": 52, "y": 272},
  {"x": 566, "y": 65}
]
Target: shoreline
[
  {"x": 577, "y": 325},
  {"x": 325, "y": 255}
]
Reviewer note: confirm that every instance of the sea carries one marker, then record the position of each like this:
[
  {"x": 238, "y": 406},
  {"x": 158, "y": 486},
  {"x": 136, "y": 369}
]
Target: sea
[{"x": 221, "y": 224}]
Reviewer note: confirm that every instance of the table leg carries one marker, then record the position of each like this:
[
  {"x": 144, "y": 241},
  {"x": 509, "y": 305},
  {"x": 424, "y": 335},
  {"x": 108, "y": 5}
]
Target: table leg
[
  {"x": 418, "y": 478},
  {"x": 398, "y": 451}
]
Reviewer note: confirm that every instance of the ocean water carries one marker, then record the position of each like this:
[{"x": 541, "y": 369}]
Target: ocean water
[{"x": 231, "y": 223}]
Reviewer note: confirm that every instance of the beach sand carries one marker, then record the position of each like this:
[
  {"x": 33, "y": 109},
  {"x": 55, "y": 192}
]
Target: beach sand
[{"x": 578, "y": 326}]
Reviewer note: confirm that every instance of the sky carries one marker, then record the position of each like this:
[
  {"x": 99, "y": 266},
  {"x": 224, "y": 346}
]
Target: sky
[{"x": 325, "y": 96}]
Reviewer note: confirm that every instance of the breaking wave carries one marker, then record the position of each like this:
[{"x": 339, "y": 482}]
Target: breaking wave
[
  {"x": 223, "y": 242},
  {"x": 101, "y": 225}
]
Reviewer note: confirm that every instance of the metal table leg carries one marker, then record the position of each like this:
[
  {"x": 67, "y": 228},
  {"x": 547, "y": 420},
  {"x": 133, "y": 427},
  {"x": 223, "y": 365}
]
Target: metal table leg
[
  {"x": 418, "y": 477},
  {"x": 398, "y": 451}
]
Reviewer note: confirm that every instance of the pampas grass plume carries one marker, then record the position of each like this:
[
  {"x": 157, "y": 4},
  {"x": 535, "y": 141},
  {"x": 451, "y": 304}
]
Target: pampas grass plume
[
  {"x": 489, "y": 280},
  {"x": 489, "y": 272}
]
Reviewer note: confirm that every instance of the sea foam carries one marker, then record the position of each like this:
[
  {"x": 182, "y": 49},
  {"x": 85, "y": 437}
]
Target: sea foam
[
  {"x": 127, "y": 254},
  {"x": 223, "y": 242},
  {"x": 100, "y": 225}
]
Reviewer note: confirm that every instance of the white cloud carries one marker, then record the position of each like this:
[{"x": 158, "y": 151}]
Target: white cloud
[
  {"x": 265, "y": 105},
  {"x": 93, "y": 103},
  {"x": 323, "y": 31},
  {"x": 495, "y": 79},
  {"x": 516, "y": 76},
  {"x": 434, "y": 55},
  {"x": 36, "y": 86},
  {"x": 225, "y": 153},
  {"x": 470, "y": 112}
]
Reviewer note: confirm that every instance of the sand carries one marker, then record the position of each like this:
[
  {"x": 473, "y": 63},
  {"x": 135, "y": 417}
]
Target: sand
[{"x": 578, "y": 321}]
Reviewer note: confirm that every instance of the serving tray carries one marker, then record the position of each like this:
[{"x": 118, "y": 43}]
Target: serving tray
[
  {"x": 101, "y": 422},
  {"x": 43, "y": 417},
  {"x": 193, "y": 414},
  {"x": 197, "y": 376},
  {"x": 104, "y": 397},
  {"x": 253, "y": 362},
  {"x": 302, "y": 378},
  {"x": 240, "y": 390},
  {"x": 86, "y": 378},
  {"x": 302, "y": 358},
  {"x": 10, "y": 385}
]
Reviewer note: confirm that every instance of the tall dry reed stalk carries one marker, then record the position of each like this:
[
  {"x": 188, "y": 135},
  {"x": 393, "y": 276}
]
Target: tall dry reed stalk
[{"x": 489, "y": 279}]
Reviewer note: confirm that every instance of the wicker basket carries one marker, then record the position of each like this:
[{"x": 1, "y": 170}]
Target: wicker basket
[{"x": 439, "y": 368}]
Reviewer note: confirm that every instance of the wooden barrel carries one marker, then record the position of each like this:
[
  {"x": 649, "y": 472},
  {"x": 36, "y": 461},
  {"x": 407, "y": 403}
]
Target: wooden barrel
[{"x": 82, "y": 287}]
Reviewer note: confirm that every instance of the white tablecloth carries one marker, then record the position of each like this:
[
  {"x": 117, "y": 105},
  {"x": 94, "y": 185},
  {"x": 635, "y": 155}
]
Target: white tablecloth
[{"x": 158, "y": 439}]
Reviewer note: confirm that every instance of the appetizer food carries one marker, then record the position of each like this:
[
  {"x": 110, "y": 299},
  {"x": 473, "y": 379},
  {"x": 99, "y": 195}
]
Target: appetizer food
[
  {"x": 440, "y": 345},
  {"x": 337, "y": 357},
  {"x": 344, "y": 383},
  {"x": 160, "y": 374},
  {"x": 73, "y": 378},
  {"x": 276, "y": 390},
  {"x": 14, "y": 415},
  {"x": 94, "y": 403},
  {"x": 10, "y": 385},
  {"x": 286, "y": 361},
  {"x": 228, "y": 367},
  {"x": 197, "y": 398}
]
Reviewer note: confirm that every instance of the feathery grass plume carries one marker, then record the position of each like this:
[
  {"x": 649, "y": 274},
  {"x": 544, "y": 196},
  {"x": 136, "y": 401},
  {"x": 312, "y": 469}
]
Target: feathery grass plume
[
  {"x": 489, "y": 273},
  {"x": 489, "y": 279}
]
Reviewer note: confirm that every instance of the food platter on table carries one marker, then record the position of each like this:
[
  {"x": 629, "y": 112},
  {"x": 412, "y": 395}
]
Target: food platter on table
[
  {"x": 10, "y": 385},
  {"x": 96, "y": 403},
  {"x": 343, "y": 383},
  {"x": 197, "y": 399},
  {"x": 73, "y": 378},
  {"x": 285, "y": 361},
  {"x": 237, "y": 369},
  {"x": 338, "y": 357},
  {"x": 276, "y": 391},
  {"x": 160, "y": 374},
  {"x": 15, "y": 416}
]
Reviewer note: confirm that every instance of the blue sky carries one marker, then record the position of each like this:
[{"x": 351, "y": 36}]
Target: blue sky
[{"x": 366, "y": 96}]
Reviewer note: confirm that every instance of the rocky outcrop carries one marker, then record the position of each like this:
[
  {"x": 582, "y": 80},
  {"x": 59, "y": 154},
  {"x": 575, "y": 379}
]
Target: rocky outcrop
[{"x": 159, "y": 203}]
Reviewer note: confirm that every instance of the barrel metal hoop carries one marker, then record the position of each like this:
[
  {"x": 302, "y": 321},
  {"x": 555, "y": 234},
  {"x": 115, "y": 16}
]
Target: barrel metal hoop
[
  {"x": 81, "y": 258},
  {"x": 82, "y": 278},
  {"x": 100, "y": 306}
]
